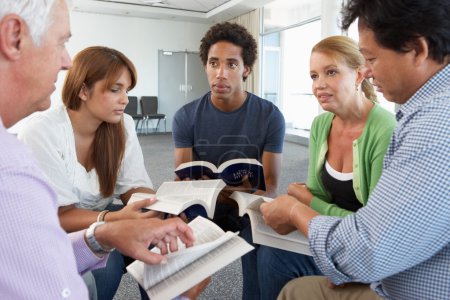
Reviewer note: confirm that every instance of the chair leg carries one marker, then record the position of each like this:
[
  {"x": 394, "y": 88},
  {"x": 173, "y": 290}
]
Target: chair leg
[
  {"x": 140, "y": 121},
  {"x": 146, "y": 126},
  {"x": 137, "y": 126}
]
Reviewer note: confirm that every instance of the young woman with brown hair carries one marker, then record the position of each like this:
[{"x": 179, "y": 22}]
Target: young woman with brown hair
[{"x": 89, "y": 150}]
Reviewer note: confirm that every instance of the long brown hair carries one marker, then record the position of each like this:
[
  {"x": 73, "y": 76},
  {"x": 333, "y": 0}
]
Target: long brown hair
[
  {"x": 90, "y": 66},
  {"x": 347, "y": 49}
]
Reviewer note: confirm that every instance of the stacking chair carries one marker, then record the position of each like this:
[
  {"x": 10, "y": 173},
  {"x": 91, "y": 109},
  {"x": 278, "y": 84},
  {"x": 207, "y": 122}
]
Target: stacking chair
[
  {"x": 149, "y": 106},
  {"x": 131, "y": 109}
]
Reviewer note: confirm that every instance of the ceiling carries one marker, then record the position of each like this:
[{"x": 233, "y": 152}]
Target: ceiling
[{"x": 204, "y": 11}]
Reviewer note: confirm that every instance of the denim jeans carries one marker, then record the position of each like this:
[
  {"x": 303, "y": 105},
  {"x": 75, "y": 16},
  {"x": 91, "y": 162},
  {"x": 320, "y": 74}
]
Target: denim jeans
[
  {"x": 266, "y": 270},
  {"x": 107, "y": 279}
]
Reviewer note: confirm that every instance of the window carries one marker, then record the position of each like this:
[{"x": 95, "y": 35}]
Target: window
[{"x": 290, "y": 30}]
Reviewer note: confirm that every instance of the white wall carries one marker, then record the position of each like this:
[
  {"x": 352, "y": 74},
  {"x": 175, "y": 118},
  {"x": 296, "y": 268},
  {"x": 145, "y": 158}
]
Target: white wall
[{"x": 137, "y": 38}]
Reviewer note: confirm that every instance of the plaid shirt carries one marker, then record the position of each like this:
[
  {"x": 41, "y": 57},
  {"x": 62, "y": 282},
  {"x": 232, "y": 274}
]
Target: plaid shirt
[{"x": 400, "y": 241}]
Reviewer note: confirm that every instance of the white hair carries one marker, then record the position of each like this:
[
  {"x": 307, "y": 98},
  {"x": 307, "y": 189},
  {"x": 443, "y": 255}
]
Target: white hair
[{"x": 36, "y": 14}]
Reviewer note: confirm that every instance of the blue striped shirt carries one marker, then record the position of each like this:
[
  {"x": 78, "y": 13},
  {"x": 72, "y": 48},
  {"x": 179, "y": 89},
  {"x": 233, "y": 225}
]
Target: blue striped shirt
[{"x": 400, "y": 241}]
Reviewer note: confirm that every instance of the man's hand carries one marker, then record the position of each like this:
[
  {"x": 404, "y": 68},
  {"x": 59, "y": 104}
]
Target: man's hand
[
  {"x": 285, "y": 214},
  {"x": 133, "y": 237},
  {"x": 276, "y": 213}
]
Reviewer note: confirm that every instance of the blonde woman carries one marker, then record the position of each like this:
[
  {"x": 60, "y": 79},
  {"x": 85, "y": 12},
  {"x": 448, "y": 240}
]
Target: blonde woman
[{"x": 346, "y": 149}]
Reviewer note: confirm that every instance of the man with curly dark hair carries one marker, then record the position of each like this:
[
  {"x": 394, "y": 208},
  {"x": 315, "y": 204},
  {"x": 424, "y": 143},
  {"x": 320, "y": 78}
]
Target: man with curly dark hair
[{"x": 229, "y": 122}]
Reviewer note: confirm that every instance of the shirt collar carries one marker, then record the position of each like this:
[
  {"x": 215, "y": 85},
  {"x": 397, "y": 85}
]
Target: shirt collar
[{"x": 435, "y": 85}]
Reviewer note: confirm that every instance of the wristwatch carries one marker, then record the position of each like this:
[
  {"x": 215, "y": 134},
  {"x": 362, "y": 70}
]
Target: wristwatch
[{"x": 92, "y": 242}]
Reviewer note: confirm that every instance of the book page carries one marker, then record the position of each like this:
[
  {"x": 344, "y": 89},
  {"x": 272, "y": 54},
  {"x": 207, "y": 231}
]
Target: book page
[
  {"x": 265, "y": 235},
  {"x": 173, "y": 197},
  {"x": 202, "y": 163},
  {"x": 205, "y": 243},
  {"x": 201, "y": 268},
  {"x": 248, "y": 201},
  {"x": 140, "y": 196},
  {"x": 228, "y": 163},
  {"x": 196, "y": 170}
]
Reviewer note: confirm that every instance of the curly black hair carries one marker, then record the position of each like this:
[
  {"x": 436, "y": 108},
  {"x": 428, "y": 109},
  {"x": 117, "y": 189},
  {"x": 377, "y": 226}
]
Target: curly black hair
[
  {"x": 233, "y": 33},
  {"x": 396, "y": 23}
]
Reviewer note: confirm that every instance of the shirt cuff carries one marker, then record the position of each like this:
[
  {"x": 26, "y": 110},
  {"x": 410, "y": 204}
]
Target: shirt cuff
[
  {"x": 86, "y": 259},
  {"x": 321, "y": 229}
]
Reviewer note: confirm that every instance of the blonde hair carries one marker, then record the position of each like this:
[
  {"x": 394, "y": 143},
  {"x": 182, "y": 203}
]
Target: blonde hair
[{"x": 345, "y": 48}]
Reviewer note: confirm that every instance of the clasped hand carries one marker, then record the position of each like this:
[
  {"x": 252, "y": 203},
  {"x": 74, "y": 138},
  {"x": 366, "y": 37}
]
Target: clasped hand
[{"x": 301, "y": 192}]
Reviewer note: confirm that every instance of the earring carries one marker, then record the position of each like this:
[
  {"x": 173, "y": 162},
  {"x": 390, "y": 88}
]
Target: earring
[{"x": 357, "y": 88}]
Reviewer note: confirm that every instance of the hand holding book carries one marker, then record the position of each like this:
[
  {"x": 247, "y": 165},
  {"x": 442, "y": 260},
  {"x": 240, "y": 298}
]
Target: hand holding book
[
  {"x": 286, "y": 213},
  {"x": 213, "y": 250},
  {"x": 176, "y": 196}
]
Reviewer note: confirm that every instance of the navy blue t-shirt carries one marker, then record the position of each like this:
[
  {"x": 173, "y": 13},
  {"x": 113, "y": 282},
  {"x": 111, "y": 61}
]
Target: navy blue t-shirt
[{"x": 217, "y": 136}]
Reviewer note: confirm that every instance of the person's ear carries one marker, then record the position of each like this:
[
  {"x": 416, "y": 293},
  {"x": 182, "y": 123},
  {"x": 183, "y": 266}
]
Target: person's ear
[
  {"x": 361, "y": 74},
  {"x": 247, "y": 71},
  {"x": 420, "y": 49},
  {"x": 84, "y": 93},
  {"x": 12, "y": 31}
]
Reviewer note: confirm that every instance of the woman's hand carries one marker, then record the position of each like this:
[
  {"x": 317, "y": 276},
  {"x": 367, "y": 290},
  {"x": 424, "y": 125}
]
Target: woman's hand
[
  {"x": 300, "y": 191},
  {"x": 134, "y": 211}
]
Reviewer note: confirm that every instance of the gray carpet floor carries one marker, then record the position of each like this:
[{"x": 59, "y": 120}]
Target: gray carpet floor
[{"x": 158, "y": 155}]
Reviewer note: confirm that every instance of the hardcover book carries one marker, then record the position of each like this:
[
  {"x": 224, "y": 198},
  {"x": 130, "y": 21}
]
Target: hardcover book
[{"x": 231, "y": 171}]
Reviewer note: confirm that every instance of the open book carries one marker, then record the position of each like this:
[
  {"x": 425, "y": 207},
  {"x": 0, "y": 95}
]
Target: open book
[
  {"x": 175, "y": 196},
  {"x": 231, "y": 171},
  {"x": 264, "y": 234},
  {"x": 213, "y": 250}
]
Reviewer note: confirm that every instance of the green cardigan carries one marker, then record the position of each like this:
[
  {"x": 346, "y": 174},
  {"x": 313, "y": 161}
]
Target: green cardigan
[{"x": 368, "y": 154}]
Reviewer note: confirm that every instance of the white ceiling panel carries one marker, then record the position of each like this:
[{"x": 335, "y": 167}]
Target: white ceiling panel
[
  {"x": 202, "y": 6},
  {"x": 205, "y": 11}
]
